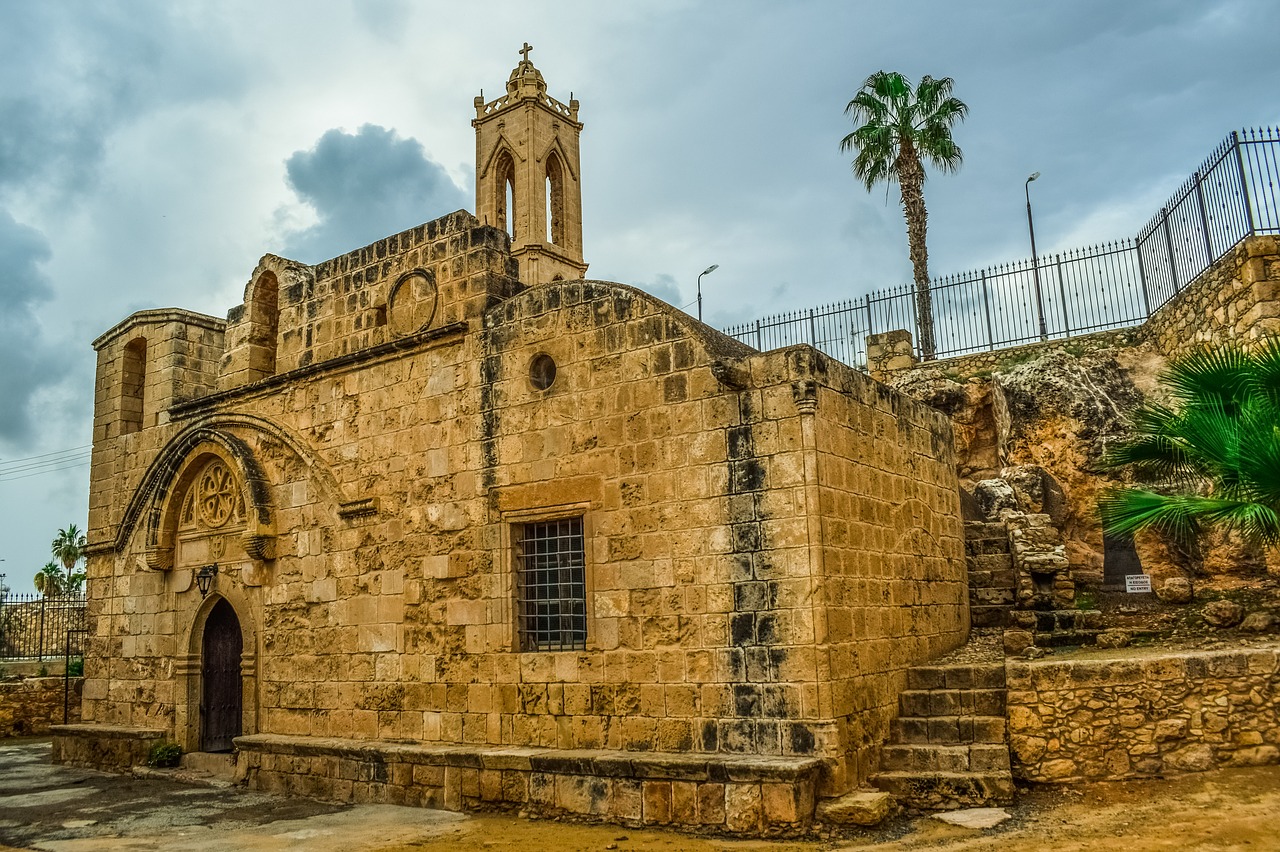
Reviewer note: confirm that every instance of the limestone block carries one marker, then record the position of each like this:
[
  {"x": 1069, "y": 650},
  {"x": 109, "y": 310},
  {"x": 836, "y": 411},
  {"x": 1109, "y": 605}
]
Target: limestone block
[
  {"x": 1175, "y": 590},
  {"x": 861, "y": 807}
]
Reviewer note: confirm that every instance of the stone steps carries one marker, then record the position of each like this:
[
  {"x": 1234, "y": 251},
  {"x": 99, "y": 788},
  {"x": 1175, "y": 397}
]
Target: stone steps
[
  {"x": 949, "y": 745},
  {"x": 930, "y": 757},
  {"x": 992, "y": 582},
  {"x": 949, "y": 729},
  {"x": 935, "y": 791}
]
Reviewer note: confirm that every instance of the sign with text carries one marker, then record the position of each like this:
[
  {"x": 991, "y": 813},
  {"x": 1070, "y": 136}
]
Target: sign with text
[{"x": 1136, "y": 583}]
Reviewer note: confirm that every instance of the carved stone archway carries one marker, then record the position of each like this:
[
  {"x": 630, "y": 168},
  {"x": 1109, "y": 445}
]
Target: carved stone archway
[{"x": 189, "y": 685}]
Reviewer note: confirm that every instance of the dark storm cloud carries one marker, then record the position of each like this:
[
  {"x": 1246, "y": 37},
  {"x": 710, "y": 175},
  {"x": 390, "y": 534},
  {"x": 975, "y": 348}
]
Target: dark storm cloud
[
  {"x": 75, "y": 72},
  {"x": 27, "y": 361},
  {"x": 364, "y": 186}
]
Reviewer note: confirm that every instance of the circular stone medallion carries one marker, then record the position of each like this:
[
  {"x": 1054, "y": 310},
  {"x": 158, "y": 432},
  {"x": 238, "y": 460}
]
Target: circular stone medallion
[{"x": 412, "y": 302}]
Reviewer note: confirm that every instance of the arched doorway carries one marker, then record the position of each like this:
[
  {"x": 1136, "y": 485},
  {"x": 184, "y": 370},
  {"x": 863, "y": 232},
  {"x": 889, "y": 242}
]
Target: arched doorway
[{"x": 221, "y": 701}]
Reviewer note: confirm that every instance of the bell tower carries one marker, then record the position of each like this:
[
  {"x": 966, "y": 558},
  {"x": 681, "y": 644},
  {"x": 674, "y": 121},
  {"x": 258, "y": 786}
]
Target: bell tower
[{"x": 527, "y": 175}]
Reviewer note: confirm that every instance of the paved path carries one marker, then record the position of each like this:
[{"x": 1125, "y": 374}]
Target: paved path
[{"x": 57, "y": 808}]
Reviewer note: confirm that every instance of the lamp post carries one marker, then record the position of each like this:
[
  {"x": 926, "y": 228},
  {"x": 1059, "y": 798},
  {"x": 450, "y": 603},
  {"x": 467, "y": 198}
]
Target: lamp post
[
  {"x": 712, "y": 268},
  {"x": 1035, "y": 263}
]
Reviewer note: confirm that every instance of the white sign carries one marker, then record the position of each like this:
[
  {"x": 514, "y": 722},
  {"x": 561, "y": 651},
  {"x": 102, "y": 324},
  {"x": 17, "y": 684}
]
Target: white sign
[{"x": 1137, "y": 583}]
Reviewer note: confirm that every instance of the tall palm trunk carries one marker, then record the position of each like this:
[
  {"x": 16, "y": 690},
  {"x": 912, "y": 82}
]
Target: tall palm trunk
[{"x": 911, "y": 179}]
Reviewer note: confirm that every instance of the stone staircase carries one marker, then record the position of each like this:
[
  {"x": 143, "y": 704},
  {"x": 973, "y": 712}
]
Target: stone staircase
[
  {"x": 992, "y": 584},
  {"x": 949, "y": 747}
]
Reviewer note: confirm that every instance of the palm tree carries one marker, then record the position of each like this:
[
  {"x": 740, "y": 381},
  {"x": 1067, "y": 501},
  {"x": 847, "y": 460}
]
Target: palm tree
[
  {"x": 48, "y": 580},
  {"x": 1213, "y": 457},
  {"x": 897, "y": 127},
  {"x": 68, "y": 548}
]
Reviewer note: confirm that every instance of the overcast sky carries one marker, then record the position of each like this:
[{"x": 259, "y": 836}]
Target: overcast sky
[{"x": 150, "y": 153}]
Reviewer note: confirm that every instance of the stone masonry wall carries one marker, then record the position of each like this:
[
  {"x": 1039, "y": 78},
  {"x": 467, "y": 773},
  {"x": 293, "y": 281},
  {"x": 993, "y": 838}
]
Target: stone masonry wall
[
  {"x": 28, "y": 706},
  {"x": 1237, "y": 298},
  {"x": 894, "y": 587},
  {"x": 1138, "y": 717}
]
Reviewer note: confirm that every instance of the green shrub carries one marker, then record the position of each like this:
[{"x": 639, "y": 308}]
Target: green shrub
[
  {"x": 75, "y": 668},
  {"x": 164, "y": 755}
]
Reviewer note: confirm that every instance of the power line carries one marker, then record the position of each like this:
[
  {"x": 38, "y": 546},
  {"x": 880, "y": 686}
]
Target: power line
[
  {"x": 68, "y": 464},
  {"x": 46, "y": 455},
  {"x": 53, "y": 462}
]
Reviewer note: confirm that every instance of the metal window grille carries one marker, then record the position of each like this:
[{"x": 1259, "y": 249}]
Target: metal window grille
[{"x": 552, "y": 586}]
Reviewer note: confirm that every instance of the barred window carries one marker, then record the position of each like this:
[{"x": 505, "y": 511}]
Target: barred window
[{"x": 552, "y": 588}]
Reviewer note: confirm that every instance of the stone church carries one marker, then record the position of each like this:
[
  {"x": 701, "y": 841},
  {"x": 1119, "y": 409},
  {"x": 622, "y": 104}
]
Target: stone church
[{"x": 439, "y": 522}]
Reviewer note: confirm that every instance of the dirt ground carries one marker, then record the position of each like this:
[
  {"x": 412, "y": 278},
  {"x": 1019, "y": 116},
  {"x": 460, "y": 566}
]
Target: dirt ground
[{"x": 66, "y": 810}]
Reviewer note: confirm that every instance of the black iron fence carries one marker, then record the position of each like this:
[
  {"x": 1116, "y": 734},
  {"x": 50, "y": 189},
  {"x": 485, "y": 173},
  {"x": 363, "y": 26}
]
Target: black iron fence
[
  {"x": 1234, "y": 194},
  {"x": 35, "y": 627}
]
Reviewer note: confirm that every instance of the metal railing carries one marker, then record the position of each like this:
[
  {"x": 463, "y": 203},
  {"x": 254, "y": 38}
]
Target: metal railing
[
  {"x": 35, "y": 627},
  {"x": 1234, "y": 194}
]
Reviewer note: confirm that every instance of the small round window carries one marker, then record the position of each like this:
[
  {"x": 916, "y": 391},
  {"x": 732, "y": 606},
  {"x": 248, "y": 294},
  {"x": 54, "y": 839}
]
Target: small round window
[{"x": 542, "y": 371}]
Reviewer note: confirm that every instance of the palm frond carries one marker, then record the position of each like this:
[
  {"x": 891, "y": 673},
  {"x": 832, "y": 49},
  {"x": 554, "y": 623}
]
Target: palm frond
[{"x": 1208, "y": 375}]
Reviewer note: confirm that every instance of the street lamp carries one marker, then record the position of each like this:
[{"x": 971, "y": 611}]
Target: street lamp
[
  {"x": 1035, "y": 264},
  {"x": 712, "y": 268}
]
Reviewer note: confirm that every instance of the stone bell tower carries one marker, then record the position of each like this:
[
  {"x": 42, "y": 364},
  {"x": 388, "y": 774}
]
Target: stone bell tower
[{"x": 527, "y": 175}]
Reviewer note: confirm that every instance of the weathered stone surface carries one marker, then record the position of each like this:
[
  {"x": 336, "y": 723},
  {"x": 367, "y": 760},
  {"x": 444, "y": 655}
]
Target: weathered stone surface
[
  {"x": 977, "y": 818},
  {"x": 1260, "y": 621},
  {"x": 29, "y": 706},
  {"x": 993, "y": 496},
  {"x": 1114, "y": 639},
  {"x": 1175, "y": 590},
  {"x": 1223, "y": 613},
  {"x": 860, "y": 807},
  {"x": 1017, "y": 641}
]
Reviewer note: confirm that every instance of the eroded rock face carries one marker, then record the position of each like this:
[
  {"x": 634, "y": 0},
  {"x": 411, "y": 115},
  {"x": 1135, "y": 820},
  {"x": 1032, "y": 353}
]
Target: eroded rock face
[
  {"x": 969, "y": 404},
  {"x": 993, "y": 495}
]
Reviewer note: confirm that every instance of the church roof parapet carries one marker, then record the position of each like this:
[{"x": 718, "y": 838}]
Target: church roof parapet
[{"x": 526, "y": 83}]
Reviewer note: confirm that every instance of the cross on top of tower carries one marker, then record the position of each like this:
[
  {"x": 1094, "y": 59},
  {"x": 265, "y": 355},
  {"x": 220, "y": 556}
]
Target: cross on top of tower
[{"x": 525, "y": 51}]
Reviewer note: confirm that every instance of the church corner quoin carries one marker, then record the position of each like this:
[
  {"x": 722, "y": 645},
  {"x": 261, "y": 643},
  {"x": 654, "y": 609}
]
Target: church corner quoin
[{"x": 439, "y": 522}]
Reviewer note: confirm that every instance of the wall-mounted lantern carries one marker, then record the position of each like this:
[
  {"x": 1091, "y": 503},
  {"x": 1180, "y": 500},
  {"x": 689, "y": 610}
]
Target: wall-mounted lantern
[{"x": 204, "y": 578}]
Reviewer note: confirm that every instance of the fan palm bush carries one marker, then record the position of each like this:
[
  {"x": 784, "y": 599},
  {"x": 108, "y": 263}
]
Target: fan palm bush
[{"x": 1210, "y": 457}]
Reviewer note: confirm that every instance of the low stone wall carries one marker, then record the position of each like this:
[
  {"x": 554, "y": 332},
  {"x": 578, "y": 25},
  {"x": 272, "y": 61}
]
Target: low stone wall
[
  {"x": 30, "y": 705},
  {"x": 108, "y": 747},
  {"x": 731, "y": 794},
  {"x": 1123, "y": 718}
]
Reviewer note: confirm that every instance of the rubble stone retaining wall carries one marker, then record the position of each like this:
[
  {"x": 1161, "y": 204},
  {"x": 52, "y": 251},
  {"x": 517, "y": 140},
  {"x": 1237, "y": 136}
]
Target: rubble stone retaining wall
[
  {"x": 733, "y": 794},
  {"x": 1238, "y": 297},
  {"x": 1123, "y": 718},
  {"x": 28, "y": 706}
]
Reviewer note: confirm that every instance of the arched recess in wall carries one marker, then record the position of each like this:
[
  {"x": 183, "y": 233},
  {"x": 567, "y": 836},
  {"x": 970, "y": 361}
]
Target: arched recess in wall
[
  {"x": 504, "y": 185},
  {"x": 164, "y": 473},
  {"x": 133, "y": 384},
  {"x": 555, "y": 200},
  {"x": 264, "y": 324}
]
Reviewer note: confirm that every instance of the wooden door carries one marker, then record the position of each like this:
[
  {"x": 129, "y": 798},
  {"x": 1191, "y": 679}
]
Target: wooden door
[{"x": 221, "y": 704}]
